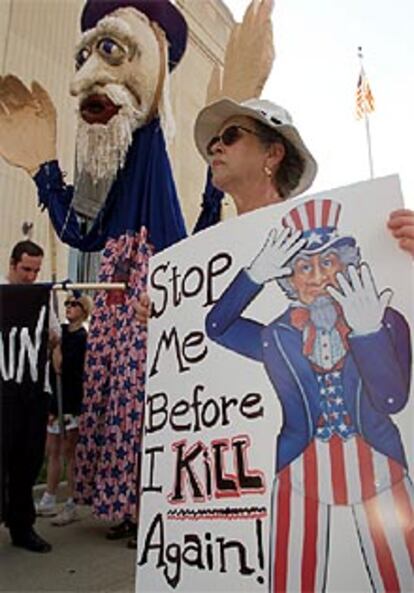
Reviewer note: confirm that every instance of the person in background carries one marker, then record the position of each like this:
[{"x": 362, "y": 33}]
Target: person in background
[
  {"x": 24, "y": 421},
  {"x": 69, "y": 362}
]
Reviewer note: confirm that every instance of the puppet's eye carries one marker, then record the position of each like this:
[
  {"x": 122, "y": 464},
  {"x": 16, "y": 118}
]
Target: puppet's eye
[
  {"x": 111, "y": 50},
  {"x": 81, "y": 57}
]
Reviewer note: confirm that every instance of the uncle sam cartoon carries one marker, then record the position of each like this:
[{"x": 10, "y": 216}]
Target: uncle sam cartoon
[{"x": 339, "y": 359}]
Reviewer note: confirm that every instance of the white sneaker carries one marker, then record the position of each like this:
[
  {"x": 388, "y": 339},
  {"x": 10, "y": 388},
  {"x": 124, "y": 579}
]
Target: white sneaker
[
  {"x": 67, "y": 515},
  {"x": 46, "y": 507}
]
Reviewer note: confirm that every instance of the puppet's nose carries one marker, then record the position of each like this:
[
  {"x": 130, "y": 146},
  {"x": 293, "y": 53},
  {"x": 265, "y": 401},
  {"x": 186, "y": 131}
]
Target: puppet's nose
[{"x": 94, "y": 72}]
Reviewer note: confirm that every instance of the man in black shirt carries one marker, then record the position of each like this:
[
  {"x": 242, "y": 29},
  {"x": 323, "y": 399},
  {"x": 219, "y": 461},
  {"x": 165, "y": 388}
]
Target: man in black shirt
[{"x": 24, "y": 419}]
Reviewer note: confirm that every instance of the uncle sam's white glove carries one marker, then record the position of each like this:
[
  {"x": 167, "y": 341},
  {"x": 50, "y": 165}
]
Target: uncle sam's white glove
[
  {"x": 363, "y": 307},
  {"x": 270, "y": 262}
]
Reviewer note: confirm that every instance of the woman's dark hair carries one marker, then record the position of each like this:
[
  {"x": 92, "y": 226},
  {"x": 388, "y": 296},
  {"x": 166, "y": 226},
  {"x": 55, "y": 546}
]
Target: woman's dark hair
[
  {"x": 292, "y": 166},
  {"x": 27, "y": 247}
]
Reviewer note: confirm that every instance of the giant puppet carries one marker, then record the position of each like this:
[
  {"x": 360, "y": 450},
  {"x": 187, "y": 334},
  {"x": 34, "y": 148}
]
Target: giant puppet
[{"x": 123, "y": 61}]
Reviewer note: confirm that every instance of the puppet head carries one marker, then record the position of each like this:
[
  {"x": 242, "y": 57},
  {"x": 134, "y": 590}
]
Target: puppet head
[
  {"x": 121, "y": 83},
  {"x": 161, "y": 12}
]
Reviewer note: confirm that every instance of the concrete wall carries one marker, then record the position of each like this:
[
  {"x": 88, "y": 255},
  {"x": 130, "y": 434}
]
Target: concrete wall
[
  {"x": 37, "y": 40},
  {"x": 37, "y": 44}
]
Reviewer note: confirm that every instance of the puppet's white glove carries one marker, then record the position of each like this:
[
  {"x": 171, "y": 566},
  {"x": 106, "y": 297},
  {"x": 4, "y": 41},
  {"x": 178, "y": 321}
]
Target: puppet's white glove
[
  {"x": 363, "y": 307},
  {"x": 27, "y": 124},
  {"x": 270, "y": 262}
]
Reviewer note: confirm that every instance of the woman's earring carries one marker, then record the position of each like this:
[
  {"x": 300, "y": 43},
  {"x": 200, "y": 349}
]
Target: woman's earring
[{"x": 268, "y": 171}]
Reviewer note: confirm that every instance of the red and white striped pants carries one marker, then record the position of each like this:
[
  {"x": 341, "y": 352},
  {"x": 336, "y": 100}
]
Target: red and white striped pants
[{"x": 305, "y": 494}]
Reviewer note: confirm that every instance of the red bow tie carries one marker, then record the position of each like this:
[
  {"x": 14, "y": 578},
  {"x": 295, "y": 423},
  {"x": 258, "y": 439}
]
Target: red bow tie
[{"x": 300, "y": 319}]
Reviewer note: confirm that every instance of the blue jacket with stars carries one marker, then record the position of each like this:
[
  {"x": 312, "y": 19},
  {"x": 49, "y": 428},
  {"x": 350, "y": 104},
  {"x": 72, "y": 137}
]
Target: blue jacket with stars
[{"x": 376, "y": 372}]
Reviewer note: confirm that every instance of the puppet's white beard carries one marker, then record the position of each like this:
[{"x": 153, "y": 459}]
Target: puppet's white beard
[{"x": 101, "y": 149}]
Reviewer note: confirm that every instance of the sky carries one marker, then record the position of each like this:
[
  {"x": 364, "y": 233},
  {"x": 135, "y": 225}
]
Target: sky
[{"x": 315, "y": 75}]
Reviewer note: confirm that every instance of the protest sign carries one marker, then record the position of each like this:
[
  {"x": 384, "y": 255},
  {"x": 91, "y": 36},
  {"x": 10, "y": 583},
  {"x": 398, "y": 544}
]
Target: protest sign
[
  {"x": 242, "y": 385},
  {"x": 24, "y": 313}
]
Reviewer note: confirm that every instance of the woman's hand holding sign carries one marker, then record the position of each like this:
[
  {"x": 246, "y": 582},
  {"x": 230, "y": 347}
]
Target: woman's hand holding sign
[
  {"x": 142, "y": 308},
  {"x": 401, "y": 225}
]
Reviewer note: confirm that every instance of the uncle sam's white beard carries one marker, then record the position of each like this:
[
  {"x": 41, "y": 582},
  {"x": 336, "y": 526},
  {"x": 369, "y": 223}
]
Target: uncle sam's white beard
[
  {"x": 323, "y": 313},
  {"x": 101, "y": 149}
]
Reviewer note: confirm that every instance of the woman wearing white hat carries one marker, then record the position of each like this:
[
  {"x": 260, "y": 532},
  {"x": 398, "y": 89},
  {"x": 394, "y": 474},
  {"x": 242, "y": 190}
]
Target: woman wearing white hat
[
  {"x": 324, "y": 347},
  {"x": 257, "y": 156},
  {"x": 255, "y": 152}
]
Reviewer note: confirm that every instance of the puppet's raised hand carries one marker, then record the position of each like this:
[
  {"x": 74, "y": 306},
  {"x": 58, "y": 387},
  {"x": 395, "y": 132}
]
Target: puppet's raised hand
[
  {"x": 270, "y": 262},
  {"x": 27, "y": 124},
  {"x": 363, "y": 307},
  {"x": 248, "y": 58}
]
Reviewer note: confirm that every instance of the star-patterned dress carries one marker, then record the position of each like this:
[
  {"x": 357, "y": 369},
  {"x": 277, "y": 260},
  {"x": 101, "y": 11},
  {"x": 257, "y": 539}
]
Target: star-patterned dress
[{"x": 107, "y": 454}]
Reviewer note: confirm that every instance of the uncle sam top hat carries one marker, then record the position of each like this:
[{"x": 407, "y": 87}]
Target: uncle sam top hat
[
  {"x": 318, "y": 222},
  {"x": 162, "y": 12}
]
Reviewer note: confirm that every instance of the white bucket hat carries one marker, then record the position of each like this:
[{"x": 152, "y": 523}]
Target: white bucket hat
[{"x": 211, "y": 119}]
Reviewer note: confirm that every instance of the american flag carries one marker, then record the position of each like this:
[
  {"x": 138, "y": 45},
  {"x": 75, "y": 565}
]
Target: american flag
[{"x": 364, "y": 98}]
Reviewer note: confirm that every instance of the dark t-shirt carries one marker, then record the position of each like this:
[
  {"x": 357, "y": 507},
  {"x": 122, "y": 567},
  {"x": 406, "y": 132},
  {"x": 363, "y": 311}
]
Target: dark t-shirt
[{"x": 73, "y": 361}]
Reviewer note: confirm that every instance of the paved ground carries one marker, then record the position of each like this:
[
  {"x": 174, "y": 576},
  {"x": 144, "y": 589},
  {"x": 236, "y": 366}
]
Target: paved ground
[{"x": 82, "y": 560}]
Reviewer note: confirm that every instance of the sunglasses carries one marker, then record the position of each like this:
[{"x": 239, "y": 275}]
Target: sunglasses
[
  {"x": 228, "y": 137},
  {"x": 73, "y": 304}
]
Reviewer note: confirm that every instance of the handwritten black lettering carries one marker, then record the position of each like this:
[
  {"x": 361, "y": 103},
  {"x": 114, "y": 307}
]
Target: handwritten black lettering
[
  {"x": 171, "y": 285},
  {"x": 220, "y": 469},
  {"x": 201, "y": 552},
  {"x": 181, "y": 353},
  {"x": 21, "y": 345},
  {"x": 194, "y": 414}
]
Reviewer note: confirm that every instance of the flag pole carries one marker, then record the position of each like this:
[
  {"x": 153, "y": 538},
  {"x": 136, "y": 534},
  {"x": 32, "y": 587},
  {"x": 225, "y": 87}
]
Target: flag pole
[
  {"x": 371, "y": 166},
  {"x": 366, "y": 118}
]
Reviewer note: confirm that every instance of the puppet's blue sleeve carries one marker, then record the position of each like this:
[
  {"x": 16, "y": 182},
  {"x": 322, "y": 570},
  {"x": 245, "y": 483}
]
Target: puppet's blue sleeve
[
  {"x": 210, "y": 207},
  {"x": 226, "y": 326},
  {"x": 57, "y": 197}
]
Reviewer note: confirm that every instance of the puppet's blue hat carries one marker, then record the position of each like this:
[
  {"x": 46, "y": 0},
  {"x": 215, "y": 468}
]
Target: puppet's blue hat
[{"x": 168, "y": 17}]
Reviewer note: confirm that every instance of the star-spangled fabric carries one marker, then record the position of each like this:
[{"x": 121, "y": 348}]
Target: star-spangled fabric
[
  {"x": 110, "y": 424},
  {"x": 334, "y": 416}
]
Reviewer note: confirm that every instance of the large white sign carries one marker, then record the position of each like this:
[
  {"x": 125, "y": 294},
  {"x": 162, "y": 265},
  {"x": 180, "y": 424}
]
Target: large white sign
[{"x": 278, "y": 424}]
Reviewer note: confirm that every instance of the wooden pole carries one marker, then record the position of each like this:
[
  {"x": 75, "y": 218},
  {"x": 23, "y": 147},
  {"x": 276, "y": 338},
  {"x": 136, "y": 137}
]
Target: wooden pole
[
  {"x": 55, "y": 304},
  {"x": 90, "y": 286}
]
